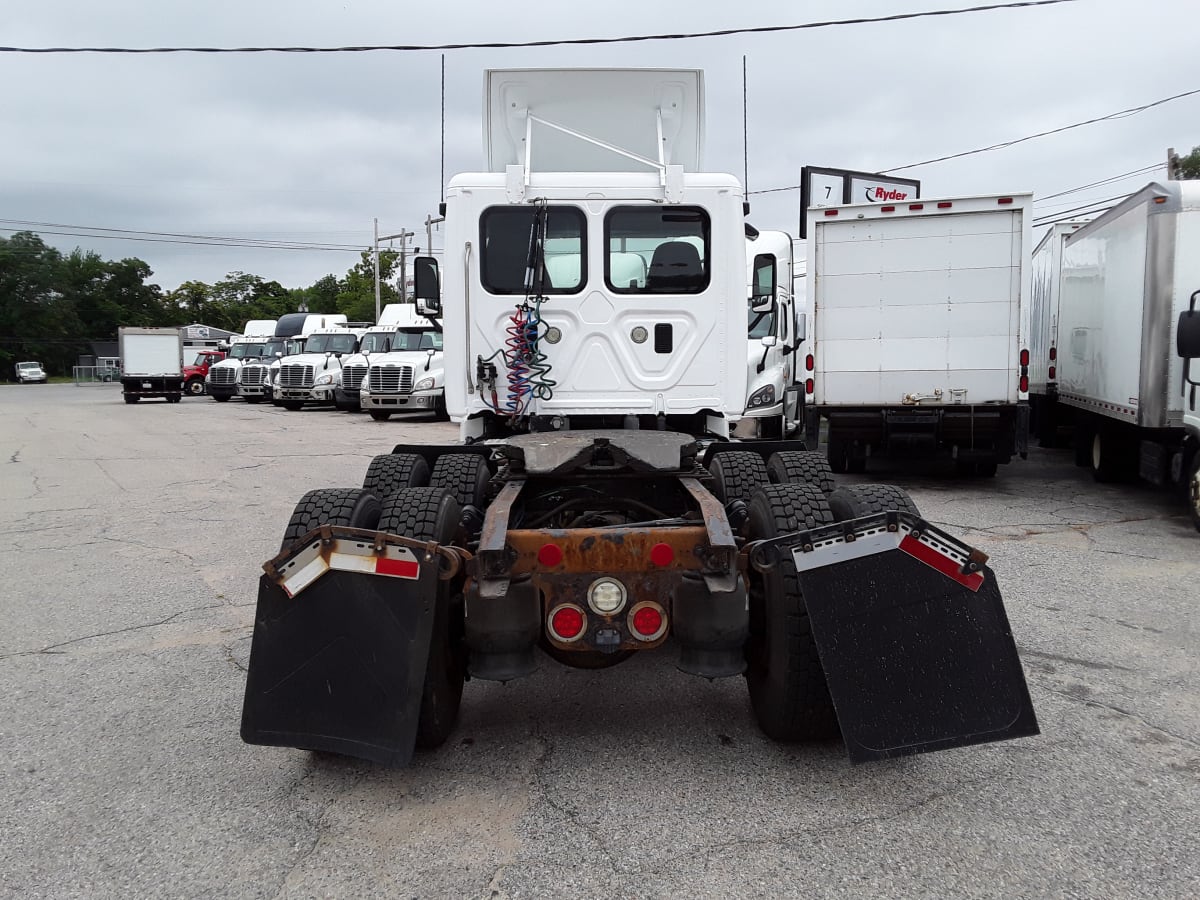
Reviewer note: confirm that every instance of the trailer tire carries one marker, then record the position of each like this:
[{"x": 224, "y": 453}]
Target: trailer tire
[
  {"x": 857, "y": 500},
  {"x": 800, "y": 467},
  {"x": 737, "y": 475},
  {"x": 432, "y": 514},
  {"x": 392, "y": 472},
  {"x": 464, "y": 475},
  {"x": 787, "y": 686},
  {"x": 1193, "y": 489},
  {"x": 1109, "y": 456},
  {"x": 131, "y": 398},
  {"x": 352, "y": 507},
  {"x": 380, "y": 415}
]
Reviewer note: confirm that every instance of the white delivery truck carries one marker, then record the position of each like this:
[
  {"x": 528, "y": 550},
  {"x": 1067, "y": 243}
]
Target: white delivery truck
[
  {"x": 1127, "y": 279},
  {"x": 1043, "y": 332},
  {"x": 595, "y": 509},
  {"x": 410, "y": 377},
  {"x": 313, "y": 375},
  {"x": 376, "y": 340},
  {"x": 151, "y": 363},
  {"x": 776, "y": 331},
  {"x": 918, "y": 313}
]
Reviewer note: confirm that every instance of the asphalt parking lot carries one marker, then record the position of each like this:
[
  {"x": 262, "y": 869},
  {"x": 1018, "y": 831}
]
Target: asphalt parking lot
[{"x": 134, "y": 538}]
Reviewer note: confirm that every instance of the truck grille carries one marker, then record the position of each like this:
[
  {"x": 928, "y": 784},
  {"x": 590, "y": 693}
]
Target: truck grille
[
  {"x": 352, "y": 377},
  {"x": 224, "y": 375},
  {"x": 295, "y": 376},
  {"x": 390, "y": 380},
  {"x": 253, "y": 375}
]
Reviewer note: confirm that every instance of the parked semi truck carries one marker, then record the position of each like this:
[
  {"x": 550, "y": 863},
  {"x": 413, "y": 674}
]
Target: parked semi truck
[
  {"x": 1043, "y": 332},
  {"x": 776, "y": 332},
  {"x": 195, "y": 373},
  {"x": 314, "y": 374},
  {"x": 375, "y": 340},
  {"x": 410, "y": 377},
  {"x": 256, "y": 377},
  {"x": 919, "y": 317},
  {"x": 595, "y": 507},
  {"x": 1127, "y": 288},
  {"x": 151, "y": 363}
]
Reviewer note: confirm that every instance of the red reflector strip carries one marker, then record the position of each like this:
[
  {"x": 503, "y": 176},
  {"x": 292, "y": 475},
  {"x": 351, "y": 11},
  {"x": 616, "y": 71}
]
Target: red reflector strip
[
  {"x": 887, "y": 209},
  {"x": 945, "y": 204},
  {"x": 1004, "y": 201},
  {"x": 401, "y": 568},
  {"x": 944, "y": 564},
  {"x": 831, "y": 212},
  {"x": 915, "y": 206}
]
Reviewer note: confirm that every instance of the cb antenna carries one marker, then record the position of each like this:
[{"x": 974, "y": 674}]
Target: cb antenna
[{"x": 745, "y": 133}]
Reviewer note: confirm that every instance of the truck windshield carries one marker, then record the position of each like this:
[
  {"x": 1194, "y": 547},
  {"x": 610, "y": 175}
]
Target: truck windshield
[
  {"x": 246, "y": 351},
  {"x": 29, "y": 365},
  {"x": 656, "y": 251},
  {"x": 417, "y": 339},
  {"x": 200, "y": 360},
  {"x": 376, "y": 342},
  {"x": 331, "y": 343}
]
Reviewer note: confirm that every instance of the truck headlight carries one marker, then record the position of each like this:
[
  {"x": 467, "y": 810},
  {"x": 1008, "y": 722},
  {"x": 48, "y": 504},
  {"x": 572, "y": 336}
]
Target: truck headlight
[
  {"x": 327, "y": 378},
  {"x": 425, "y": 384},
  {"x": 764, "y": 396}
]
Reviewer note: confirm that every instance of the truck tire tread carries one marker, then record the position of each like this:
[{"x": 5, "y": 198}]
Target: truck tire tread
[
  {"x": 853, "y": 501},
  {"x": 432, "y": 514},
  {"x": 389, "y": 472},
  {"x": 352, "y": 507},
  {"x": 464, "y": 475},
  {"x": 737, "y": 475},
  {"x": 787, "y": 686},
  {"x": 801, "y": 467}
]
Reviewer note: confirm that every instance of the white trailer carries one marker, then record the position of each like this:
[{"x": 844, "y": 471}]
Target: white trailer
[
  {"x": 1127, "y": 279},
  {"x": 151, "y": 363},
  {"x": 918, "y": 312},
  {"x": 1043, "y": 331}
]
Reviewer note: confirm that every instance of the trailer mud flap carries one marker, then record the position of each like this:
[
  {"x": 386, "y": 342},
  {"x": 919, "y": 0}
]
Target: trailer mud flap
[
  {"x": 913, "y": 637},
  {"x": 340, "y": 645}
]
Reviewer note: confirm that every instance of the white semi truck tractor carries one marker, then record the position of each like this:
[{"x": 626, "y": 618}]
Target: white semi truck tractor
[
  {"x": 376, "y": 340},
  {"x": 410, "y": 377},
  {"x": 593, "y": 304}
]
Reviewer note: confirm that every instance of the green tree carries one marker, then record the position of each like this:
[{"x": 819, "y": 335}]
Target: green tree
[
  {"x": 1189, "y": 166},
  {"x": 36, "y": 320},
  {"x": 356, "y": 293}
]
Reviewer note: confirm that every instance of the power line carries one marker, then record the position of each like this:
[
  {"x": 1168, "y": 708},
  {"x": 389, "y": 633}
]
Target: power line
[
  {"x": 1115, "y": 115},
  {"x": 504, "y": 45},
  {"x": 1070, "y": 218},
  {"x": 249, "y": 242},
  {"x": 1120, "y": 114},
  {"x": 1142, "y": 171},
  {"x": 201, "y": 243},
  {"x": 1078, "y": 209}
]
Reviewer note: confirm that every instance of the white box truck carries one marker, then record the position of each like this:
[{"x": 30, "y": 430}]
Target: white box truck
[
  {"x": 918, "y": 314},
  {"x": 151, "y": 363},
  {"x": 1043, "y": 331},
  {"x": 1127, "y": 279}
]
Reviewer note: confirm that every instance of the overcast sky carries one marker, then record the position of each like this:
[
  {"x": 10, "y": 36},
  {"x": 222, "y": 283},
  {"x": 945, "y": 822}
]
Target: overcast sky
[{"x": 310, "y": 147}]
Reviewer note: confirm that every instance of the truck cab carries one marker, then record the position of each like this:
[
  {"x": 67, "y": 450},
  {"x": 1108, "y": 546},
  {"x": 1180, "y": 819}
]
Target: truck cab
[
  {"x": 313, "y": 375},
  {"x": 376, "y": 340},
  {"x": 775, "y": 335},
  {"x": 221, "y": 380},
  {"x": 195, "y": 373},
  {"x": 409, "y": 377},
  {"x": 30, "y": 373}
]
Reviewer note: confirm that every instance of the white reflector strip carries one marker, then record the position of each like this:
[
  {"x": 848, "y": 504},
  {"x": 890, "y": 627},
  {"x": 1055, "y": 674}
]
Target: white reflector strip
[
  {"x": 840, "y": 551},
  {"x": 346, "y": 556}
]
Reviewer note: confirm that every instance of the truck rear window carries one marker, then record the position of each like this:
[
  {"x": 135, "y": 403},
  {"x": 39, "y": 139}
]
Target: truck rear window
[
  {"x": 505, "y": 235},
  {"x": 652, "y": 250}
]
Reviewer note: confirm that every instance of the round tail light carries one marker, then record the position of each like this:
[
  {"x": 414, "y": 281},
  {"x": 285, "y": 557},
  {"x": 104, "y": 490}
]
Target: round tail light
[
  {"x": 567, "y": 622},
  {"x": 647, "y": 621}
]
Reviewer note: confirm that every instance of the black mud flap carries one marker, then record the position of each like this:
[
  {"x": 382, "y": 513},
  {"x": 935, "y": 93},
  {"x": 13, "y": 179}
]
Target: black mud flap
[
  {"x": 912, "y": 635},
  {"x": 341, "y": 640}
]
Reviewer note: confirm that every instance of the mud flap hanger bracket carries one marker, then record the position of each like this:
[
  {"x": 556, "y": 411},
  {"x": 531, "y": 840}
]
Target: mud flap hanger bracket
[{"x": 868, "y": 535}]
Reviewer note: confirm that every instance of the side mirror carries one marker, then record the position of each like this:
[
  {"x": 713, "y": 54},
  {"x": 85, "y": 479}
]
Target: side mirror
[
  {"x": 429, "y": 357},
  {"x": 427, "y": 286},
  {"x": 801, "y": 333},
  {"x": 1187, "y": 336},
  {"x": 764, "y": 275},
  {"x": 279, "y": 354},
  {"x": 769, "y": 340}
]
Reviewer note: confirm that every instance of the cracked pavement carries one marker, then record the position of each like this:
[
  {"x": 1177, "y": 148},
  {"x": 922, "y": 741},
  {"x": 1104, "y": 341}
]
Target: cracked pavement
[{"x": 134, "y": 537}]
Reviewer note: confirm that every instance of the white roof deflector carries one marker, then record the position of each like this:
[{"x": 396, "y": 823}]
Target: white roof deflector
[{"x": 594, "y": 120}]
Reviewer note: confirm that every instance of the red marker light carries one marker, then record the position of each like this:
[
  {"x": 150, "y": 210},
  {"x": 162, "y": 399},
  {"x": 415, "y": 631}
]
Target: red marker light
[
  {"x": 550, "y": 555},
  {"x": 1053, "y": 372},
  {"x": 887, "y": 209},
  {"x": 662, "y": 555},
  {"x": 945, "y": 204},
  {"x": 1004, "y": 201},
  {"x": 647, "y": 621},
  {"x": 1024, "y": 357},
  {"x": 1024, "y": 384},
  {"x": 566, "y": 623},
  {"x": 809, "y": 362},
  {"x": 916, "y": 206},
  {"x": 808, "y": 386},
  {"x": 831, "y": 212},
  {"x": 1053, "y": 353}
]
